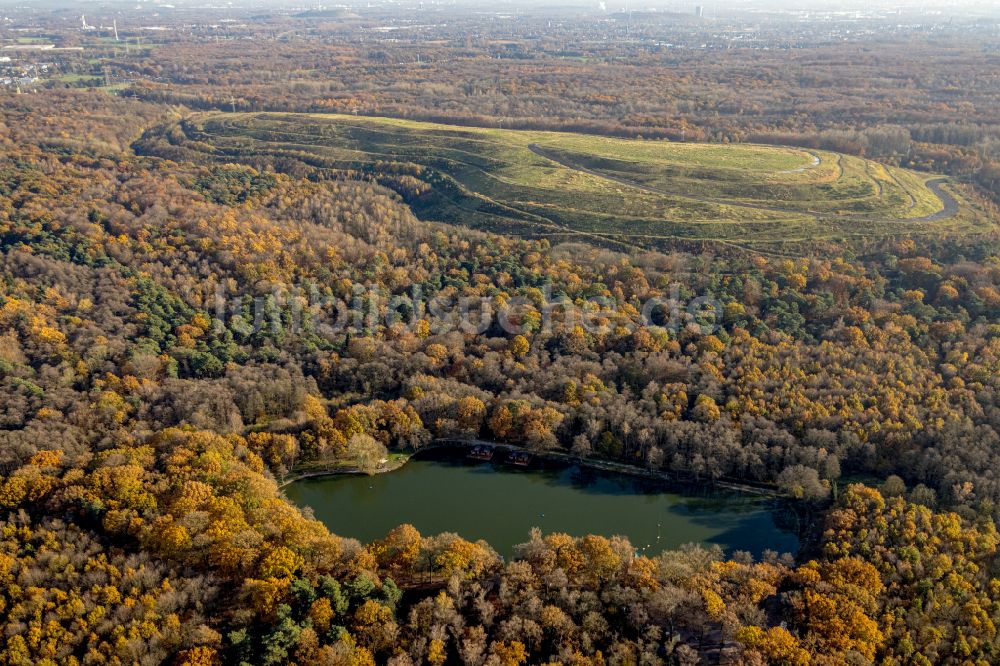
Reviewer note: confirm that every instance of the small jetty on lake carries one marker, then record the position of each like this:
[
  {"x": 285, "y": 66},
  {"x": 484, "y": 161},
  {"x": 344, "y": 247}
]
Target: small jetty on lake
[
  {"x": 519, "y": 458},
  {"x": 481, "y": 452}
]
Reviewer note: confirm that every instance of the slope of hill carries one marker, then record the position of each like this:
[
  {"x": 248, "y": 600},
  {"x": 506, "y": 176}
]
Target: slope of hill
[{"x": 618, "y": 191}]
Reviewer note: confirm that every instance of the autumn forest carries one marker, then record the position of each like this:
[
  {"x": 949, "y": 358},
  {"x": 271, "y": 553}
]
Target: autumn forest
[{"x": 256, "y": 244}]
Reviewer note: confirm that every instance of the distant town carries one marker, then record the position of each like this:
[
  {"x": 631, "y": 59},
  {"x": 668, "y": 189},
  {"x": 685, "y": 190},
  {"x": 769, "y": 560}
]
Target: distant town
[{"x": 106, "y": 48}]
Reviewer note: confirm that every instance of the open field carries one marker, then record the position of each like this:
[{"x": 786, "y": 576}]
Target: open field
[{"x": 627, "y": 192}]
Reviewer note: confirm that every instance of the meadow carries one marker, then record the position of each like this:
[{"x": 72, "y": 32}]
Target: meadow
[{"x": 625, "y": 192}]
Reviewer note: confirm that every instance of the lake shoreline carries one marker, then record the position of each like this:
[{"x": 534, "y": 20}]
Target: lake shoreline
[
  {"x": 667, "y": 477},
  {"x": 395, "y": 463},
  {"x": 444, "y": 490}
]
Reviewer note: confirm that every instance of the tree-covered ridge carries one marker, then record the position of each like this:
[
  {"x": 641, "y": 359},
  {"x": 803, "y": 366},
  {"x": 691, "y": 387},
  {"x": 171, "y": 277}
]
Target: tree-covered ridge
[{"x": 144, "y": 430}]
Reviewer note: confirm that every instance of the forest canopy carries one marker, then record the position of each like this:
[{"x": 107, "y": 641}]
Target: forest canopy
[{"x": 167, "y": 359}]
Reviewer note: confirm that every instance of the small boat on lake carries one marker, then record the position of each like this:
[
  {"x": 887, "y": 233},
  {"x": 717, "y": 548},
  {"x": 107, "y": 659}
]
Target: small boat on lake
[
  {"x": 481, "y": 452},
  {"x": 519, "y": 458}
]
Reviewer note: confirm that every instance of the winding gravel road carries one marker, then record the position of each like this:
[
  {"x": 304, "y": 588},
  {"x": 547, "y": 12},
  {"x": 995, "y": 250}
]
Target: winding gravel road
[{"x": 950, "y": 204}]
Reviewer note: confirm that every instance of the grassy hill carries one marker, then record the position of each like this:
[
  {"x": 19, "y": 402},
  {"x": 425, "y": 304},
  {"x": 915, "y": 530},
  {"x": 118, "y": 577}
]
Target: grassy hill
[{"x": 625, "y": 192}]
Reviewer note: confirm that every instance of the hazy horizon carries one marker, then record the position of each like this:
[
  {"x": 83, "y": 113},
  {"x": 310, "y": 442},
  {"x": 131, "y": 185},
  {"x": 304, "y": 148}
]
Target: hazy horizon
[{"x": 612, "y": 6}]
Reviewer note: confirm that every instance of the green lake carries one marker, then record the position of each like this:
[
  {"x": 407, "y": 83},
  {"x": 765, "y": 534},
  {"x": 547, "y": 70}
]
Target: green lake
[{"x": 443, "y": 491}]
